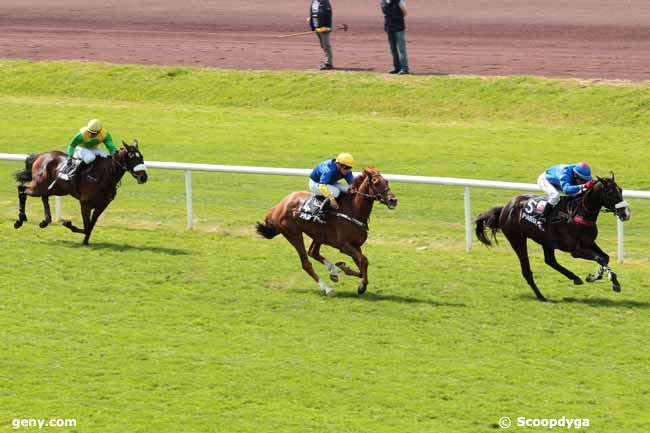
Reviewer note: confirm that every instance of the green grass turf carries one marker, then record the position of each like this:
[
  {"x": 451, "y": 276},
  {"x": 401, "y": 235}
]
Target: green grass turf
[{"x": 153, "y": 328}]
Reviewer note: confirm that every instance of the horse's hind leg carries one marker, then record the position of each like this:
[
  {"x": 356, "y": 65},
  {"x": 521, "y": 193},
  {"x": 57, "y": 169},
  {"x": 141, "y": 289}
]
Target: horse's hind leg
[
  {"x": 519, "y": 245},
  {"x": 314, "y": 252},
  {"x": 46, "y": 209},
  {"x": 22, "y": 199},
  {"x": 549, "y": 258},
  {"x": 295, "y": 239}
]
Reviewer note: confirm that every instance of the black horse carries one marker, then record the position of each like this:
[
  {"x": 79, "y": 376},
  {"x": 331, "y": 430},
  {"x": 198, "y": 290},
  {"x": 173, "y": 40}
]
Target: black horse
[{"x": 571, "y": 228}]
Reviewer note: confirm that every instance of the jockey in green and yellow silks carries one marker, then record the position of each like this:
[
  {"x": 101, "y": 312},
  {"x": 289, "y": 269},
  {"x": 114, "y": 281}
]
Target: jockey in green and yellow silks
[
  {"x": 90, "y": 137},
  {"x": 84, "y": 147}
]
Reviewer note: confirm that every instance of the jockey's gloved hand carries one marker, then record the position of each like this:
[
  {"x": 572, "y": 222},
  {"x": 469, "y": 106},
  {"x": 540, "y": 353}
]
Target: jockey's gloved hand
[{"x": 589, "y": 184}]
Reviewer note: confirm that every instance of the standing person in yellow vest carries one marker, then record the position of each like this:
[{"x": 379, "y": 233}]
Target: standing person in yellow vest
[{"x": 84, "y": 148}]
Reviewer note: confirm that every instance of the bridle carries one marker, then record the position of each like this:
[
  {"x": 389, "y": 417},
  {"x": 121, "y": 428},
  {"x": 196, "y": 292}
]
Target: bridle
[
  {"x": 380, "y": 196},
  {"x": 125, "y": 167},
  {"x": 614, "y": 208}
]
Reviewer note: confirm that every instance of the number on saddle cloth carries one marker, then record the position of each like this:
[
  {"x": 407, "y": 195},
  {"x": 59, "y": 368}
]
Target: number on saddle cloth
[{"x": 310, "y": 207}]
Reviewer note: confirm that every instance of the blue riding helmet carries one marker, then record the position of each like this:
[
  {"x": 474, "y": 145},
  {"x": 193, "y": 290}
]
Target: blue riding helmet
[{"x": 583, "y": 171}]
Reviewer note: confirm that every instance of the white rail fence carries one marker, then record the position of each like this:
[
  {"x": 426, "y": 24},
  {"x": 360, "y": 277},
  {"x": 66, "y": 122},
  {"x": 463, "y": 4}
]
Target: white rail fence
[{"x": 430, "y": 180}]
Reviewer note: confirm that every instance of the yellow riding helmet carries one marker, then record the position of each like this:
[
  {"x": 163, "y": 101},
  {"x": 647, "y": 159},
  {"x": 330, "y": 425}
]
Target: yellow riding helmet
[
  {"x": 94, "y": 125},
  {"x": 345, "y": 159}
]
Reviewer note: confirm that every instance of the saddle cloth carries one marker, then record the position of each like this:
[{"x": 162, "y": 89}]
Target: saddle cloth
[
  {"x": 533, "y": 210},
  {"x": 310, "y": 207}
]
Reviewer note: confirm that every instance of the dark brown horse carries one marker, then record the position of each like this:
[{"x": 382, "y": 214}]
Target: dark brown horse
[
  {"x": 346, "y": 229},
  {"x": 94, "y": 189},
  {"x": 575, "y": 232}
]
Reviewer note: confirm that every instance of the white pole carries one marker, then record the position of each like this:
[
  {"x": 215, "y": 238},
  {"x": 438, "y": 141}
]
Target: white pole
[
  {"x": 188, "y": 198},
  {"x": 468, "y": 221},
  {"x": 57, "y": 206},
  {"x": 619, "y": 230}
]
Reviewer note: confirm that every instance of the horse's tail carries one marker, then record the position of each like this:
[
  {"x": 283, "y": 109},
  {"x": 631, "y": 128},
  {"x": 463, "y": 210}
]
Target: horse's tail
[
  {"x": 489, "y": 219},
  {"x": 26, "y": 174},
  {"x": 266, "y": 229}
]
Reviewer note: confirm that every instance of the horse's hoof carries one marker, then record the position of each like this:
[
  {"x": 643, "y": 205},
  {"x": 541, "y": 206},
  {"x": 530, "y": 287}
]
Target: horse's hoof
[
  {"x": 578, "y": 282},
  {"x": 331, "y": 293},
  {"x": 43, "y": 224},
  {"x": 334, "y": 277},
  {"x": 362, "y": 289},
  {"x": 593, "y": 277},
  {"x": 616, "y": 287},
  {"x": 340, "y": 264},
  {"x": 18, "y": 224},
  {"x": 22, "y": 217},
  {"x": 67, "y": 224}
]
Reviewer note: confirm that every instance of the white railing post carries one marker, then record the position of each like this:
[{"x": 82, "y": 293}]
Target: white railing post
[
  {"x": 57, "y": 207},
  {"x": 619, "y": 232},
  {"x": 468, "y": 221},
  {"x": 188, "y": 198}
]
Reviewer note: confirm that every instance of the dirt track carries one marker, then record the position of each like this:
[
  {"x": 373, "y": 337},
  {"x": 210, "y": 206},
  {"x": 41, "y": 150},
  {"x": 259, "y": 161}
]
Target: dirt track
[{"x": 606, "y": 39}]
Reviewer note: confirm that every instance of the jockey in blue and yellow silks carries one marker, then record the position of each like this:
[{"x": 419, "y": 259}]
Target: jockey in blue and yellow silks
[
  {"x": 569, "y": 179},
  {"x": 325, "y": 179},
  {"x": 84, "y": 147}
]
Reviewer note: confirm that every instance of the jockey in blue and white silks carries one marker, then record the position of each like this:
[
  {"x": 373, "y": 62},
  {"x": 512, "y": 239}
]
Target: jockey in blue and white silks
[
  {"x": 325, "y": 181},
  {"x": 569, "y": 179}
]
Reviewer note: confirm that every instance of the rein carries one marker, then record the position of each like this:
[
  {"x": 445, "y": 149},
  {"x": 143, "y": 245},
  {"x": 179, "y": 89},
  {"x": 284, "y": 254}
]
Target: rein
[{"x": 584, "y": 221}]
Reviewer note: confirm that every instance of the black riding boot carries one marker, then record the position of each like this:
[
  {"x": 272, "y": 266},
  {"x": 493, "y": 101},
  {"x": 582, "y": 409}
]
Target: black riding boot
[
  {"x": 73, "y": 175},
  {"x": 546, "y": 214},
  {"x": 321, "y": 215}
]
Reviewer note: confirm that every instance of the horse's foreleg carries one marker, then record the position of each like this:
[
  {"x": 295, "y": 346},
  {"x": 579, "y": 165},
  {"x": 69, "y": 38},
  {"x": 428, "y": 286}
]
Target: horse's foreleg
[
  {"x": 519, "y": 245},
  {"x": 47, "y": 213},
  {"x": 314, "y": 252},
  {"x": 362, "y": 263},
  {"x": 616, "y": 286},
  {"x": 22, "y": 199},
  {"x": 295, "y": 239},
  {"x": 93, "y": 220},
  {"x": 549, "y": 258},
  {"x": 85, "y": 214}
]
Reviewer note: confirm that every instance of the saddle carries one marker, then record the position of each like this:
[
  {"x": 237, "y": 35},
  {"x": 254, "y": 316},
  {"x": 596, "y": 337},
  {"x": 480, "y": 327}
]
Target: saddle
[{"x": 563, "y": 212}]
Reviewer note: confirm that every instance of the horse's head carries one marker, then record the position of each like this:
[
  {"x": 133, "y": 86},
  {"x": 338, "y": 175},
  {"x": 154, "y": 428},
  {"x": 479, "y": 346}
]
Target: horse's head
[
  {"x": 130, "y": 158},
  {"x": 611, "y": 197},
  {"x": 376, "y": 187}
]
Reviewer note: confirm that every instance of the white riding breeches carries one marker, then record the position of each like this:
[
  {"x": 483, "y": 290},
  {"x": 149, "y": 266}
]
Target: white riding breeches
[
  {"x": 88, "y": 155},
  {"x": 546, "y": 186},
  {"x": 335, "y": 189}
]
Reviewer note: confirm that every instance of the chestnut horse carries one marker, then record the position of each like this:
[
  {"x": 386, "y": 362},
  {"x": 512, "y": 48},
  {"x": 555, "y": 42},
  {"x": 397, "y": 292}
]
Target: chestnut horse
[
  {"x": 95, "y": 188},
  {"x": 576, "y": 233},
  {"x": 346, "y": 228}
]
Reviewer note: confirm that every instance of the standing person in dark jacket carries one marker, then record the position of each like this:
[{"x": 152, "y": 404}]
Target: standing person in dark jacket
[
  {"x": 395, "y": 27},
  {"x": 320, "y": 20}
]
